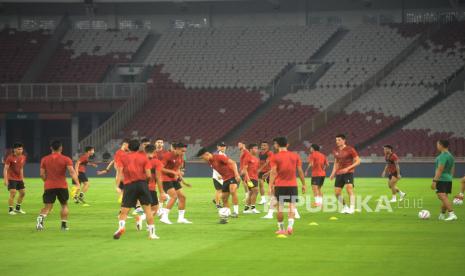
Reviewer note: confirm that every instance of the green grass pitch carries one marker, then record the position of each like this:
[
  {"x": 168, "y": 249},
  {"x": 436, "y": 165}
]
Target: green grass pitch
[{"x": 384, "y": 243}]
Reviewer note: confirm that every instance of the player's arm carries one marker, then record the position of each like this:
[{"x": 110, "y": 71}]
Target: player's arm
[
  {"x": 76, "y": 166},
  {"x": 310, "y": 164},
  {"x": 233, "y": 167},
  {"x": 43, "y": 175},
  {"x": 356, "y": 162},
  {"x": 148, "y": 174},
  {"x": 383, "y": 174},
  {"x": 245, "y": 172},
  {"x": 437, "y": 175},
  {"x": 107, "y": 169},
  {"x": 119, "y": 177},
  {"x": 397, "y": 168},
  {"x": 267, "y": 162},
  {"x": 301, "y": 175},
  {"x": 74, "y": 176},
  {"x": 5, "y": 173},
  {"x": 172, "y": 172},
  {"x": 273, "y": 174},
  {"x": 333, "y": 172},
  {"x": 160, "y": 185}
]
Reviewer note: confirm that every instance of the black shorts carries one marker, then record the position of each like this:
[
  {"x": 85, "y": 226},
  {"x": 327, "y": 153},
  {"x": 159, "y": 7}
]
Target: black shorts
[
  {"x": 286, "y": 194},
  {"x": 217, "y": 185},
  {"x": 121, "y": 186},
  {"x": 260, "y": 176},
  {"x": 444, "y": 187},
  {"x": 171, "y": 185},
  {"x": 318, "y": 180},
  {"x": 227, "y": 183},
  {"x": 50, "y": 195},
  {"x": 396, "y": 175},
  {"x": 82, "y": 178},
  {"x": 153, "y": 198},
  {"x": 138, "y": 190},
  {"x": 343, "y": 179},
  {"x": 16, "y": 185}
]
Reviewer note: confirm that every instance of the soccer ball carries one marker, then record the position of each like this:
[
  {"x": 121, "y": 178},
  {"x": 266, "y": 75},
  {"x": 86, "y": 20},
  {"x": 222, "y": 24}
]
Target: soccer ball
[
  {"x": 458, "y": 201},
  {"x": 224, "y": 212},
  {"x": 424, "y": 214}
]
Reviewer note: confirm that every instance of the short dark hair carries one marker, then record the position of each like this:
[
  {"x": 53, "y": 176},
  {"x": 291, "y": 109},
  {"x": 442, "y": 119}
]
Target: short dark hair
[
  {"x": 89, "y": 148},
  {"x": 281, "y": 141},
  {"x": 263, "y": 142},
  {"x": 388, "y": 147},
  {"x": 444, "y": 143},
  {"x": 134, "y": 145},
  {"x": 125, "y": 140},
  {"x": 315, "y": 147},
  {"x": 250, "y": 146},
  {"x": 158, "y": 138},
  {"x": 201, "y": 152},
  {"x": 55, "y": 145},
  {"x": 179, "y": 145},
  {"x": 17, "y": 145},
  {"x": 342, "y": 136},
  {"x": 145, "y": 140},
  {"x": 149, "y": 148}
]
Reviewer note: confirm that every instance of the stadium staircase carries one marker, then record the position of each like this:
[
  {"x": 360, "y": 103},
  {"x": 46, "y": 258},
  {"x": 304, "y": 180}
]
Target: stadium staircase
[
  {"x": 457, "y": 83},
  {"x": 323, "y": 117},
  {"x": 283, "y": 84},
  {"x": 47, "y": 51},
  {"x": 138, "y": 58}
]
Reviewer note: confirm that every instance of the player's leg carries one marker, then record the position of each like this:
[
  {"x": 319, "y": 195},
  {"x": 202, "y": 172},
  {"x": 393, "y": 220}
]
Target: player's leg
[
  {"x": 181, "y": 206},
  {"x": 261, "y": 184},
  {"x": 123, "y": 215},
  {"x": 22, "y": 194},
  {"x": 340, "y": 198},
  {"x": 48, "y": 198},
  {"x": 218, "y": 198},
  {"x": 444, "y": 188},
  {"x": 280, "y": 214},
  {"x": 350, "y": 192},
  {"x": 11, "y": 201},
  {"x": 63, "y": 197},
  {"x": 291, "y": 216},
  {"x": 234, "y": 198},
  {"x": 81, "y": 196},
  {"x": 316, "y": 193},
  {"x": 170, "y": 190},
  {"x": 253, "y": 197}
]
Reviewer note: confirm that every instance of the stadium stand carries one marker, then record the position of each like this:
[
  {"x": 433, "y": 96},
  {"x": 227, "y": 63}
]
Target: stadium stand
[
  {"x": 17, "y": 51},
  {"x": 85, "y": 55},
  {"x": 372, "y": 113},
  {"x": 435, "y": 61},
  {"x": 418, "y": 138},
  {"x": 235, "y": 57},
  {"x": 193, "y": 116},
  {"x": 366, "y": 49}
]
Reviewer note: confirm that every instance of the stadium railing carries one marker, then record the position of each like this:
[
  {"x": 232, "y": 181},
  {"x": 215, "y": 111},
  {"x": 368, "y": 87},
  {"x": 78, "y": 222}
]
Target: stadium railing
[{"x": 67, "y": 91}]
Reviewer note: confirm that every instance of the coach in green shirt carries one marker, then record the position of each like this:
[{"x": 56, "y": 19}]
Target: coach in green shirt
[{"x": 442, "y": 181}]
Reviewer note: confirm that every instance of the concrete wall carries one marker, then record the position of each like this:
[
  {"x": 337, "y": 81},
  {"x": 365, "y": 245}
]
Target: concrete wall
[{"x": 365, "y": 170}]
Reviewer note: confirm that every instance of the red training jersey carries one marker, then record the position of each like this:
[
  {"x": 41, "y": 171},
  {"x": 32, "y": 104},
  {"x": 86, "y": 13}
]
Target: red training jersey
[
  {"x": 159, "y": 154},
  {"x": 220, "y": 163},
  {"x": 172, "y": 162},
  {"x": 344, "y": 158},
  {"x": 118, "y": 155},
  {"x": 286, "y": 164},
  {"x": 83, "y": 161},
  {"x": 244, "y": 156},
  {"x": 134, "y": 165},
  {"x": 264, "y": 156},
  {"x": 55, "y": 166},
  {"x": 319, "y": 162},
  {"x": 391, "y": 161},
  {"x": 16, "y": 164},
  {"x": 253, "y": 164}
]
